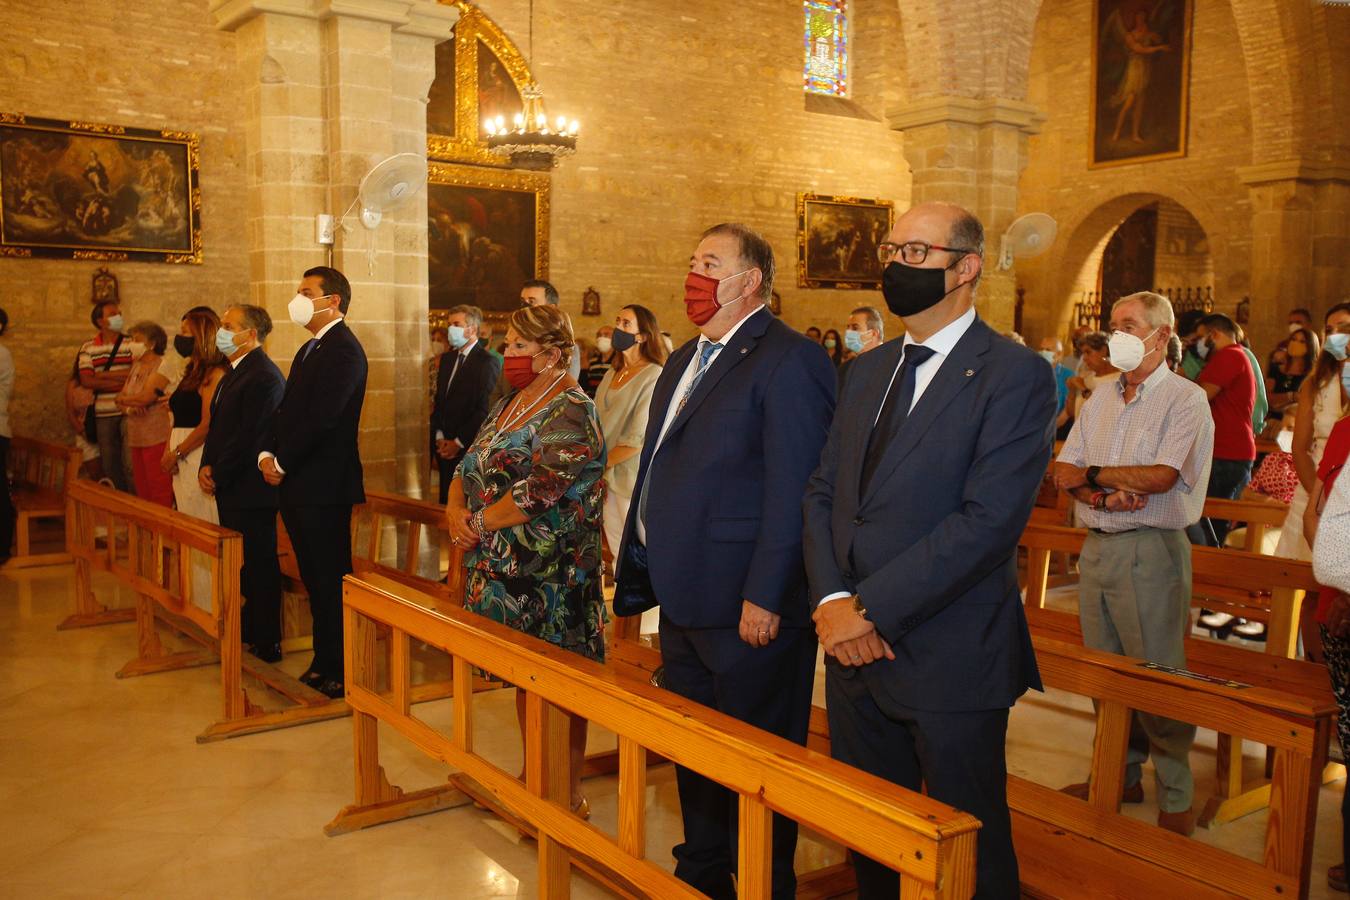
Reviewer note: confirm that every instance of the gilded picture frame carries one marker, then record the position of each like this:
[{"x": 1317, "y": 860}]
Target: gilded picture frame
[
  {"x": 93, "y": 191},
  {"x": 837, "y": 239},
  {"x": 487, "y": 232},
  {"x": 1139, "y": 107},
  {"x": 474, "y": 33}
]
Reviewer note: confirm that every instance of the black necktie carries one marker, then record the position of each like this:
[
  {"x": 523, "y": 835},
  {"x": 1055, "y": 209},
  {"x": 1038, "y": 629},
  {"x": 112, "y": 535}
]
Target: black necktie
[
  {"x": 454, "y": 367},
  {"x": 893, "y": 412}
]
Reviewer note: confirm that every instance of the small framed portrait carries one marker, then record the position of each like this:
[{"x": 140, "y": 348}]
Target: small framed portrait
[
  {"x": 590, "y": 302},
  {"x": 837, "y": 240},
  {"x": 776, "y": 303}
]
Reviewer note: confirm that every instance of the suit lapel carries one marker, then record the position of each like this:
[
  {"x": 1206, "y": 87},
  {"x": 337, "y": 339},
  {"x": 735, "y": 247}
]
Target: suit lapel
[
  {"x": 741, "y": 345},
  {"x": 873, "y": 393},
  {"x": 957, "y": 372}
]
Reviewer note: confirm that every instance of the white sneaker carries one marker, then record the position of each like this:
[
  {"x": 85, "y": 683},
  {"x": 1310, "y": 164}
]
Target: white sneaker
[
  {"x": 1215, "y": 620},
  {"x": 1250, "y": 630}
]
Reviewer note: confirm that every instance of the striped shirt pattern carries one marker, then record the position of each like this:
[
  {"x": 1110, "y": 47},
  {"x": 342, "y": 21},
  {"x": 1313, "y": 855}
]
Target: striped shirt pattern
[
  {"x": 1168, "y": 423},
  {"x": 93, "y": 357}
]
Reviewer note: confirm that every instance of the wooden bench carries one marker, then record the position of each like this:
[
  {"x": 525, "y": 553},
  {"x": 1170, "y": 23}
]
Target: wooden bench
[
  {"x": 929, "y": 843},
  {"x": 38, "y": 474},
  {"x": 162, "y": 555}
]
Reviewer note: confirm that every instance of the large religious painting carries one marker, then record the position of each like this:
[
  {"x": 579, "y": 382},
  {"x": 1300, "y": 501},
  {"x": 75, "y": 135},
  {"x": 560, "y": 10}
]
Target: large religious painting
[
  {"x": 79, "y": 190},
  {"x": 487, "y": 233},
  {"x": 837, "y": 240},
  {"x": 1140, "y": 75}
]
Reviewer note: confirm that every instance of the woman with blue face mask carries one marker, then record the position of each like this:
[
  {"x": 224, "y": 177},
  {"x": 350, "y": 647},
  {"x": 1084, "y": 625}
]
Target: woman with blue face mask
[{"x": 1321, "y": 401}]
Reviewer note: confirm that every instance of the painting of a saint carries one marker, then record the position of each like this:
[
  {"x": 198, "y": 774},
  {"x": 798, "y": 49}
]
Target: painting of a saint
[
  {"x": 481, "y": 245},
  {"x": 497, "y": 94},
  {"x": 1141, "y": 67},
  {"x": 70, "y": 189},
  {"x": 837, "y": 240}
]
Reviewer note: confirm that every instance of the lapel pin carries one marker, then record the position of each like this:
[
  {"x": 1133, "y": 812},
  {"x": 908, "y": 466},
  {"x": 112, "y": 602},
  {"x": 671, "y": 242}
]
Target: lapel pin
[
  {"x": 744, "y": 350},
  {"x": 969, "y": 372}
]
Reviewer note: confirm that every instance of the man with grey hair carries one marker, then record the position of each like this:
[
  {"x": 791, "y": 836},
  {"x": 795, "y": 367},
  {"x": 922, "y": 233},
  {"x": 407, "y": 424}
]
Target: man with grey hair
[
  {"x": 1137, "y": 464},
  {"x": 866, "y": 330},
  {"x": 464, "y": 379}
]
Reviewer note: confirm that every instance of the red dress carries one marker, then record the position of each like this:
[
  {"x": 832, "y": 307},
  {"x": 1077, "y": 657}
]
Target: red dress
[{"x": 1333, "y": 461}]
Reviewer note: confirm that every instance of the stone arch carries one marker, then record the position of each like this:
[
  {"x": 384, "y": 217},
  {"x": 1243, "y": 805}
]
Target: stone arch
[
  {"x": 1088, "y": 224},
  {"x": 1281, "y": 75},
  {"x": 939, "y": 37}
]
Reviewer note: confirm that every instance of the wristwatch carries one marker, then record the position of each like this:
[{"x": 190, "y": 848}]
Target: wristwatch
[
  {"x": 1091, "y": 475},
  {"x": 858, "y": 607}
]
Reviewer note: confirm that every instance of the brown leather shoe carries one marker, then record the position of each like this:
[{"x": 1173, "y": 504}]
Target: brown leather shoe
[
  {"x": 1133, "y": 794},
  {"x": 1183, "y": 823},
  {"x": 1336, "y": 878}
]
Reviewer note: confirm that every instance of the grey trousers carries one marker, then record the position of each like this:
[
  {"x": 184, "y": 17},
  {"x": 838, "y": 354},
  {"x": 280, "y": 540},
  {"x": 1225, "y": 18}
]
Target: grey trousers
[
  {"x": 1134, "y": 599},
  {"x": 114, "y": 452}
]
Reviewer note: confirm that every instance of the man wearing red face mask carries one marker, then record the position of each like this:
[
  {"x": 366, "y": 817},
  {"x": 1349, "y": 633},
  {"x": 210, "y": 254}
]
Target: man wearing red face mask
[{"x": 714, "y": 533}]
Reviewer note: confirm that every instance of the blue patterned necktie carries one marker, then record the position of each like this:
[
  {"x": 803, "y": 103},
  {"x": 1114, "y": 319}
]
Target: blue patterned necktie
[{"x": 705, "y": 353}]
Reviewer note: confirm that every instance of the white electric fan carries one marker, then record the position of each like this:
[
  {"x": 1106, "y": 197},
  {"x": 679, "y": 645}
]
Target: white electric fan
[
  {"x": 1029, "y": 235},
  {"x": 391, "y": 183}
]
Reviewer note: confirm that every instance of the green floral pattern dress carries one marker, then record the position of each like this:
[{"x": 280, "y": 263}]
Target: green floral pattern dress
[{"x": 543, "y": 577}]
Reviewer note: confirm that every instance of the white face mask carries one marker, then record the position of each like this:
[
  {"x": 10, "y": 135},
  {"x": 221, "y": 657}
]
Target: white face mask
[
  {"x": 1294, "y": 326},
  {"x": 1286, "y": 441},
  {"x": 1127, "y": 351},
  {"x": 301, "y": 309},
  {"x": 604, "y": 345}
]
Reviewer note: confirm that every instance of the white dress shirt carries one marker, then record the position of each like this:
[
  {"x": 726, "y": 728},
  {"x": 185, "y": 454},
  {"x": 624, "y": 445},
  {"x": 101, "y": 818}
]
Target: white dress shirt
[
  {"x": 673, "y": 410},
  {"x": 1331, "y": 551},
  {"x": 318, "y": 336},
  {"x": 942, "y": 345}
]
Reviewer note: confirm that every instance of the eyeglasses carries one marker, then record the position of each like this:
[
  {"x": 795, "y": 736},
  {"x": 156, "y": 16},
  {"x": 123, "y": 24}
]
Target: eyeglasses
[{"x": 912, "y": 252}]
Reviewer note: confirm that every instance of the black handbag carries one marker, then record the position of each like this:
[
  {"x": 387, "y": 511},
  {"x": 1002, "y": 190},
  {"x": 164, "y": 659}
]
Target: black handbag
[{"x": 90, "y": 415}]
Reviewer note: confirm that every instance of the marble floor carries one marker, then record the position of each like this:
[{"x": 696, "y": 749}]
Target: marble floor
[{"x": 104, "y": 792}]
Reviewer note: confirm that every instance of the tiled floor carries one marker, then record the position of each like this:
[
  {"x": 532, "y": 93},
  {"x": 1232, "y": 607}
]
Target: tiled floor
[{"x": 104, "y": 792}]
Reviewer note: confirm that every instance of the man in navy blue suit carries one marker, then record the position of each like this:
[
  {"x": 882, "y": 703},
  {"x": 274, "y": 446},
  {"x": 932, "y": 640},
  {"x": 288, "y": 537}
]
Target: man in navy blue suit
[
  {"x": 737, "y": 421},
  {"x": 932, "y": 466}
]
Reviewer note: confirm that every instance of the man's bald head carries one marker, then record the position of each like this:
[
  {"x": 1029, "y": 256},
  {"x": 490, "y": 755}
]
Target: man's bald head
[{"x": 945, "y": 224}]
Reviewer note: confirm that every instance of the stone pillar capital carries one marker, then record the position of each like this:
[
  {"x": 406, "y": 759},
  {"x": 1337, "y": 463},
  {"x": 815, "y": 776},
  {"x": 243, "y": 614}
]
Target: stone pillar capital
[
  {"x": 1298, "y": 169},
  {"x": 421, "y": 18},
  {"x": 969, "y": 111}
]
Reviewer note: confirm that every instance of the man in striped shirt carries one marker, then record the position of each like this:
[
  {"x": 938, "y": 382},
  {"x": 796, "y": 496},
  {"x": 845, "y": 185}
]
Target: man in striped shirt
[
  {"x": 1137, "y": 462},
  {"x": 104, "y": 364}
]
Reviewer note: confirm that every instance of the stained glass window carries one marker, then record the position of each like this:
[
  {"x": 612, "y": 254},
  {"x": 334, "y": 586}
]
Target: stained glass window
[{"x": 825, "y": 70}]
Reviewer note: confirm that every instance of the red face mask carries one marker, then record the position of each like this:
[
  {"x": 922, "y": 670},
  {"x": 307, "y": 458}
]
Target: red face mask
[
  {"x": 519, "y": 370},
  {"x": 700, "y": 296}
]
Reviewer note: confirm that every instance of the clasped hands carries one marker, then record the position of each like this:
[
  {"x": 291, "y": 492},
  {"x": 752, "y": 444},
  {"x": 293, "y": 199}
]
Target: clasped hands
[
  {"x": 271, "y": 474},
  {"x": 848, "y": 635},
  {"x": 1069, "y": 477}
]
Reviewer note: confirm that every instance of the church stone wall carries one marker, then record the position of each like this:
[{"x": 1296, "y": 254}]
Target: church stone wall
[
  {"x": 692, "y": 116},
  {"x": 147, "y": 64}
]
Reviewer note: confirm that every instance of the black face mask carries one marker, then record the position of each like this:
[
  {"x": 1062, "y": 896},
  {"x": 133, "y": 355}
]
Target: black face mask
[
  {"x": 622, "y": 340},
  {"x": 183, "y": 344},
  {"x": 910, "y": 290}
]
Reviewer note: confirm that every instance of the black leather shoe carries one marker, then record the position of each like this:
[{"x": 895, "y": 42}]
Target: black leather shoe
[
  {"x": 332, "y": 689},
  {"x": 313, "y": 678},
  {"x": 268, "y": 653}
]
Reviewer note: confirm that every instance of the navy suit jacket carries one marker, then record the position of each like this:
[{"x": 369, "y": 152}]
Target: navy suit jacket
[
  {"x": 459, "y": 412},
  {"x": 724, "y": 518},
  {"x": 314, "y": 430},
  {"x": 241, "y": 410},
  {"x": 931, "y": 548}
]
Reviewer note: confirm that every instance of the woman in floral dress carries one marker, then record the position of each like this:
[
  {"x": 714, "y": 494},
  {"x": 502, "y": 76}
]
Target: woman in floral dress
[{"x": 526, "y": 503}]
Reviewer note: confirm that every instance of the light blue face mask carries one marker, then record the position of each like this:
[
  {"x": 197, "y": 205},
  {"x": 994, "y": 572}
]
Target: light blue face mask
[
  {"x": 853, "y": 341},
  {"x": 1047, "y": 355},
  {"x": 1345, "y": 378},
  {"x": 225, "y": 342},
  {"x": 1336, "y": 345},
  {"x": 456, "y": 336}
]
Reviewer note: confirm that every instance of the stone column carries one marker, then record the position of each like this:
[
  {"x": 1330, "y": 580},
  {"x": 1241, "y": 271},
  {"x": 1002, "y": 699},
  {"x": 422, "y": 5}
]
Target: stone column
[
  {"x": 971, "y": 152},
  {"x": 335, "y": 86},
  {"x": 1300, "y": 211}
]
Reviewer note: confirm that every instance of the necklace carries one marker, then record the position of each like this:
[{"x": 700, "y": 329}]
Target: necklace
[
  {"x": 622, "y": 378},
  {"x": 523, "y": 412}
]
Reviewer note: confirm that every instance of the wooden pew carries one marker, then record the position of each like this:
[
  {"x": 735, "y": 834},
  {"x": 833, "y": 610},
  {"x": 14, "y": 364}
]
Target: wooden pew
[
  {"x": 38, "y": 473},
  {"x": 932, "y": 845},
  {"x": 156, "y": 552}
]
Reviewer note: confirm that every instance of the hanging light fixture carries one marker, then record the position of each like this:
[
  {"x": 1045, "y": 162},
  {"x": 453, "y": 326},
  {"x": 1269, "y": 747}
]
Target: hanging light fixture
[{"x": 531, "y": 141}]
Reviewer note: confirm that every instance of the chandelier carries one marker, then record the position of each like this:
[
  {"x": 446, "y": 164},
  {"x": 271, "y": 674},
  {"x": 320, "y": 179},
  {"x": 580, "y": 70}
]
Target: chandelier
[{"x": 531, "y": 143}]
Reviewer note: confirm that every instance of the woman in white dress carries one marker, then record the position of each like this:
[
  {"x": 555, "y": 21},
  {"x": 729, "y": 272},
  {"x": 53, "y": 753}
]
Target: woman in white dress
[
  {"x": 621, "y": 401},
  {"x": 1096, "y": 371},
  {"x": 190, "y": 405},
  {"x": 1321, "y": 402}
]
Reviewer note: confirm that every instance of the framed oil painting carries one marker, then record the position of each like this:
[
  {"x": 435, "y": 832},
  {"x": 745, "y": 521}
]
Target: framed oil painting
[
  {"x": 1141, "y": 52},
  {"x": 837, "y": 240},
  {"x": 80, "y": 190},
  {"x": 487, "y": 233}
]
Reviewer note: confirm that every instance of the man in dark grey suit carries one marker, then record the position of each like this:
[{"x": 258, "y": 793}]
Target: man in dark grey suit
[{"x": 939, "y": 443}]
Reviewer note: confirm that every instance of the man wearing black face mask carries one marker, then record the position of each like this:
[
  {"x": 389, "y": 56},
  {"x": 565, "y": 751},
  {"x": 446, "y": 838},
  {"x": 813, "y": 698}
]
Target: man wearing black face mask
[{"x": 912, "y": 518}]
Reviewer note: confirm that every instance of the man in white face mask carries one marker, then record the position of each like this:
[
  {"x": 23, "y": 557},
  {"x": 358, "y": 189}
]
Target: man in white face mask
[
  {"x": 1137, "y": 462},
  {"x": 310, "y": 453}
]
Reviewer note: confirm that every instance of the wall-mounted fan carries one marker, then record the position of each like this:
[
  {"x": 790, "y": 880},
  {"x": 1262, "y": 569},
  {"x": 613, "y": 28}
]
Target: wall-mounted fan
[
  {"x": 1029, "y": 235},
  {"x": 391, "y": 183}
]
